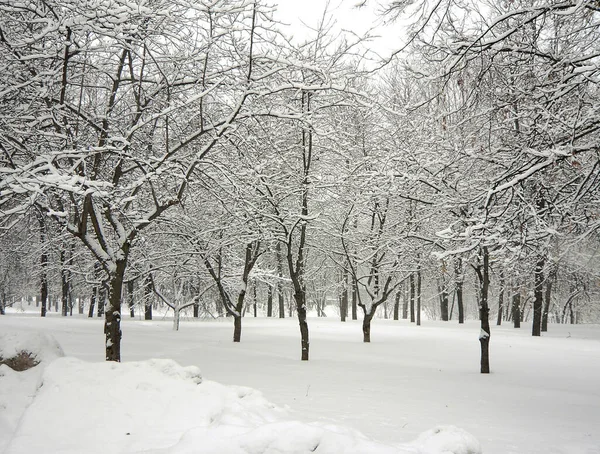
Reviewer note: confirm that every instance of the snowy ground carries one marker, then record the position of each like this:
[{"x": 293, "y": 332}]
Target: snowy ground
[{"x": 542, "y": 396}]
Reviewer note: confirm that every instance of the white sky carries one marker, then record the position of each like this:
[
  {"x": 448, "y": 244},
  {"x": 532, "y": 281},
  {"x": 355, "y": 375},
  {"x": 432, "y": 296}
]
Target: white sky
[{"x": 346, "y": 16}]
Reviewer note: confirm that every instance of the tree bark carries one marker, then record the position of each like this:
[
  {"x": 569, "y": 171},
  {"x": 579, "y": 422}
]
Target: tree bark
[
  {"x": 354, "y": 300},
  {"x": 538, "y": 301},
  {"x": 148, "y": 297},
  {"x": 548, "y": 298},
  {"x": 112, "y": 323},
  {"x": 412, "y": 297},
  {"x": 101, "y": 301},
  {"x": 64, "y": 284},
  {"x": 254, "y": 303},
  {"x": 397, "y": 304},
  {"x": 269, "y": 300},
  {"x": 176, "y": 318},
  {"x": 484, "y": 313},
  {"x": 44, "y": 283},
  {"x": 516, "y": 308},
  {"x": 366, "y": 327},
  {"x": 280, "y": 298},
  {"x": 500, "y": 299},
  {"x": 444, "y": 304},
  {"x": 459, "y": 290},
  {"x": 93, "y": 301},
  {"x": 419, "y": 295},
  {"x": 130, "y": 300},
  {"x": 344, "y": 301},
  {"x": 196, "y": 306}
]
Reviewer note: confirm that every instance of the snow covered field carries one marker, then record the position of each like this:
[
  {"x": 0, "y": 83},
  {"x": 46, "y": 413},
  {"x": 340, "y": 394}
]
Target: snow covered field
[{"x": 541, "y": 397}]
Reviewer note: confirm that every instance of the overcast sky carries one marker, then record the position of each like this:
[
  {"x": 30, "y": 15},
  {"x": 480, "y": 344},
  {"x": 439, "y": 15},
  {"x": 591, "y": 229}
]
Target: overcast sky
[{"x": 346, "y": 15}]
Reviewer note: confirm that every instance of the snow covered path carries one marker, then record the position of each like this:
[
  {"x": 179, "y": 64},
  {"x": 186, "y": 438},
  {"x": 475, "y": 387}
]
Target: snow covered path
[{"x": 542, "y": 396}]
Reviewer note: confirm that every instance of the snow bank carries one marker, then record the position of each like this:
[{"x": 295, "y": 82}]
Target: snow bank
[
  {"x": 17, "y": 389},
  {"x": 447, "y": 440},
  {"x": 42, "y": 347},
  {"x": 158, "y": 406}
]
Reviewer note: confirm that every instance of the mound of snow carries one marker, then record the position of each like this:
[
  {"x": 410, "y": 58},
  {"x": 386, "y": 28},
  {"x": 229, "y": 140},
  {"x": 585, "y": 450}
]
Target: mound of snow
[
  {"x": 17, "y": 389},
  {"x": 42, "y": 347},
  {"x": 160, "y": 407},
  {"x": 447, "y": 440}
]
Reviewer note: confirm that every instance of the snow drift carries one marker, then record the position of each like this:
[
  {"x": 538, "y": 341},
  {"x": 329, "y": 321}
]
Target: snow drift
[{"x": 158, "y": 406}]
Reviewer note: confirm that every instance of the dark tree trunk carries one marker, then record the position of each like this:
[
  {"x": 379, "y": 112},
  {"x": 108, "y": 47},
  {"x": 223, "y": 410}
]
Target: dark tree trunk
[
  {"x": 366, "y": 327},
  {"x": 548, "y": 298},
  {"x": 93, "y": 301},
  {"x": 254, "y": 304},
  {"x": 397, "y": 304},
  {"x": 44, "y": 286},
  {"x": 484, "y": 313},
  {"x": 237, "y": 327},
  {"x": 444, "y": 305},
  {"x": 500, "y": 299},
  {"x": 101, "y": 301},
  {"x": 269, "y": 301},
  {"x": 538, "y": 301},
  {"x": 419, "y": 295},
  {"x": 354, "y": 300},
  {"x": 130, "y": 300},
  {"x": 412, "y": 297},
  {"x": 459, "y": 291},
  {"x": 196, "y": 306},
  {"x": 405, "y": 303},
  {"x": 148, "y": 297},
  {"x": 344, "y": 299},
  {"x": 280, "y": 301},
  {"x": 112, "y": 323},
  {"x": 516, "y": 308},
  {"x": 44, "y": 267},
  {"x": 301, "y": 309},
  {"x": 280, "y": 298},
  {"x": 64, "y": 284}
]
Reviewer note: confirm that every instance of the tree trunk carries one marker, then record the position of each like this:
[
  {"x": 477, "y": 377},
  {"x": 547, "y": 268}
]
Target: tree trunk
[
  {"x": 93, "y": 301},
  {"x": 500, "y": 299},
  {"x": 237, "y": 327},
  {"x": 366, "y": 327},
  {"x": 301, "y": 309},
  {"x": 64, "y": 284},
  {"x": 405, "y": 303},
  {"x": 44, "y": 286},
  {"x": 397, "y": 304},
  {"x": 344, "y": 301},
  {"x": 254, "y": 304},
  {"x": 269, "y": 300},
  {"x": 176, "y": 318},
  {"x": 484, "y": 314},
  {"x": 459, "y": 291},
  {"x": 101, "y": 301},
  {"x": 412, "y": 297},
  {"x": 112, "y": 323},
  {"x": 130, "y": 300},
  {"x": 280, "y": 298},
  {"x": 419, "y": 295},
  {"x": 516, "y": 308},
  {"x": 538, "y": 301},
  {"x": 548, "y": 298},
  {"x": 148, "y": 297},
  {"x": 354, "y": 300},
  {"x": 196, "y": 306},
  {"x": 444, "y": 305}
]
